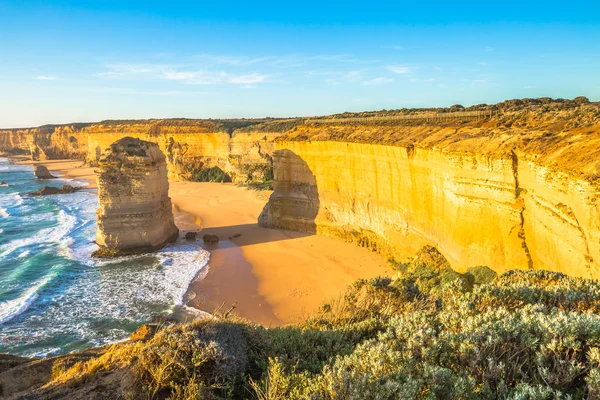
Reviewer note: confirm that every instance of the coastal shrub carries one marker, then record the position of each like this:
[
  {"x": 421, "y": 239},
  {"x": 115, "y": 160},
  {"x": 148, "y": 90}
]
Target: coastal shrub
[
  {"x": 212, "y": 174},
  {"x": 428, "y": 333}
]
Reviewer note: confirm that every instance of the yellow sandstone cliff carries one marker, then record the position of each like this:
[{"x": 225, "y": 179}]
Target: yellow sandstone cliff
[{"x": 519, "y": 190}]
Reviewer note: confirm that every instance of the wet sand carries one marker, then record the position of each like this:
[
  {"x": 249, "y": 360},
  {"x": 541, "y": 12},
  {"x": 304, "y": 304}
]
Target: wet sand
[{"x": 269, "y": 276}]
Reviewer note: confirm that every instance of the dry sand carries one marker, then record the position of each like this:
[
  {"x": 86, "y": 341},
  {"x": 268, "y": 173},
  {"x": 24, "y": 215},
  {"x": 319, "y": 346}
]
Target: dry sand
[{"x": 271, "y": 276}]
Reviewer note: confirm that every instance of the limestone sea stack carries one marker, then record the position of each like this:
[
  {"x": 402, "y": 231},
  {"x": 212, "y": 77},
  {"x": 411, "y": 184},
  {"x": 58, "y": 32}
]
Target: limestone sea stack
[{"x": 135, "y": 214}]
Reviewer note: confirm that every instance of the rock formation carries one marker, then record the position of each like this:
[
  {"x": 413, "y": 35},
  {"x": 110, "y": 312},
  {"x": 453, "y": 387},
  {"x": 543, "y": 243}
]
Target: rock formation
[
  {"x": 518, "y": 190},
  {"x": 135, "y": 213},
  {"x": 50, "y": 190},
  {"x": 42, "y": 172}
]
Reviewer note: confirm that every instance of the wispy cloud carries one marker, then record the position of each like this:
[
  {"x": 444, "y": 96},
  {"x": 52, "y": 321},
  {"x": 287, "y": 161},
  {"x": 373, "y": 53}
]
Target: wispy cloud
[
  {"x": 483, "y": 63},
  {"x": 248, "y": 79},
  {"x": 46, "y": 78},
  {"x": 529, "y": 87},
  {"x": 182, "y": 74},
  {"x": 399, "y": 69},
  {"x": 377, "y": 81},
  {"x": 130, "y": 91}
]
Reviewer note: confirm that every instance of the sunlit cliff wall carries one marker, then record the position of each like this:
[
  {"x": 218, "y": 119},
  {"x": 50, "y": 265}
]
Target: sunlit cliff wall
[
  {"x": 519, "y": 191},
  {"x": 190, "y": 148},
  {"x": 64, "y": 141}
]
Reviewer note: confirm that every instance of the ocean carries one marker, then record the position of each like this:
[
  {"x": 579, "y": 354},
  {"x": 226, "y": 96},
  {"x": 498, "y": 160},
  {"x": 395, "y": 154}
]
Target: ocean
[{"x": 54, "y": 298}]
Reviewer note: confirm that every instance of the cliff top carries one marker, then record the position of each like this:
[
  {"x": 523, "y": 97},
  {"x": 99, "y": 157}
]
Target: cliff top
[
  {"x": 128, "y": 149},
  {"x": 562, "y": 135},
  {"x": 523, "y": 110}
]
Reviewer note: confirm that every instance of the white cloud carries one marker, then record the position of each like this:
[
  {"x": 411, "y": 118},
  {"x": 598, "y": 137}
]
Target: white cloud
[
  {"x": 46, "y": 78},
  {"x": 179, "y": 76},
  {"x": 530, "y": 87},
  {"x": 248, "y": 79},
  {"x": 399, "y": 69},
  {"x": 377, "y": 81},
  {"x": 483, "y": 63}
]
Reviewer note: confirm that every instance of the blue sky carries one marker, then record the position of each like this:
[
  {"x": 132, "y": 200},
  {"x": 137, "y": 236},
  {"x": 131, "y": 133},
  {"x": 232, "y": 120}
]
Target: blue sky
[{"x": 67, "y": 61}]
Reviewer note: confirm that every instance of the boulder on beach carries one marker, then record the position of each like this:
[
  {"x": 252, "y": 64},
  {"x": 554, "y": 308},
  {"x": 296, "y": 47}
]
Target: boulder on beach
[
  {"x": 42, "y": 172},
  {"x": 49, "y": 190},
  {"x": 191, "y": 235},
  {"x": 210, "y": 238}
]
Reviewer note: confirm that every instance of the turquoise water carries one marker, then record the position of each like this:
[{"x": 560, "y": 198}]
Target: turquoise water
[{"x": 54, "y": 298}]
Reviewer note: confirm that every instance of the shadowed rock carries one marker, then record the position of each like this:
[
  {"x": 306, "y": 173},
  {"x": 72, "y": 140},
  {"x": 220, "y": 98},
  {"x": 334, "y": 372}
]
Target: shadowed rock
[
  {"x": 50, "y": 190},
  {"x": 135, "y": 214},
  {"x": 210, "y": 238},
  {"x": 42, "y": 172}
]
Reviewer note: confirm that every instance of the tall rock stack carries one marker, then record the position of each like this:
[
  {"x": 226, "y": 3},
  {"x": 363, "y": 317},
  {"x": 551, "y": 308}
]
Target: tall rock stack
[{"x": 135, "y": 214}]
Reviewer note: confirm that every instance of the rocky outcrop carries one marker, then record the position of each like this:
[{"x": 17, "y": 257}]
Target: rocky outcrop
[
  {"x": 135, "y": 213},
  {"x": 50, "y": 190},
  {"x": 42, "y": 172},
  {"x": 519, "y": 190}
]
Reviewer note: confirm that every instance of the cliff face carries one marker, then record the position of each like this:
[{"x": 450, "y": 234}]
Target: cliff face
[
  {"x": 244, "y": 155},
  {"x": 46, "y": 142},
  {"x": 522, "y": 196},
  {"x": 189, "y": 145},
  {"x": 135, "y": 213}
]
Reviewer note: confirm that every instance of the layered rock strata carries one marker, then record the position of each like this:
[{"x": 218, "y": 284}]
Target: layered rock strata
[{"x": 135, "y": 213}]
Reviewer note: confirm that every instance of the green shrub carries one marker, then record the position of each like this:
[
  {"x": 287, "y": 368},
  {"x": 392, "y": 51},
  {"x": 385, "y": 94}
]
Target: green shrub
[
  {"x": 212, "y": 174},
  {"x": 430, "y": 333}
]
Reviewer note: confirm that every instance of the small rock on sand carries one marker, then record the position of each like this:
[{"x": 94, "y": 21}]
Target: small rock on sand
[
  {"x": 191, "y": 235},
  {"x": 210, "y": 238}
]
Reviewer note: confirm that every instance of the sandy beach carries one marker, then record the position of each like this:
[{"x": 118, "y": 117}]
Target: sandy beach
[{"x": 269, "y": 276}]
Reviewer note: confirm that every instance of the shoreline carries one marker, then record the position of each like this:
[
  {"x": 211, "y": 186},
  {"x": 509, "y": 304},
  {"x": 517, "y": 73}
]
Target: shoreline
[{"x": 270, "y": 276}]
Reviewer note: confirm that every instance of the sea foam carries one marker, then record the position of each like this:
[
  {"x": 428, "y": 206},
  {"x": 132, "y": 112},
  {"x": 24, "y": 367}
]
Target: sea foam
[{"x": 11, "y": 308}]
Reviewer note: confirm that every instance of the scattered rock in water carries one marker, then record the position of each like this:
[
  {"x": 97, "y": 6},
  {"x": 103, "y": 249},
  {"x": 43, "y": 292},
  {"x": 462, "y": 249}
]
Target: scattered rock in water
[
  {"x": 191, "y": 235},
  {"x": 50, "y": 190},
  {"x": 42, "y": 172},
  {"x": 210, "y": 238},
  {"x": 3, "y": 183}
]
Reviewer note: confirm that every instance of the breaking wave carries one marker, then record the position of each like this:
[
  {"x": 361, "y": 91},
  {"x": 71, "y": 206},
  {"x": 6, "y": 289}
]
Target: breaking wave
[{"x": 11, "y": 308}]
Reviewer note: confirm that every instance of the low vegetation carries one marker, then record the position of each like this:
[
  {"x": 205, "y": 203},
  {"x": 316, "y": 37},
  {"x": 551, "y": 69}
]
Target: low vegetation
[
  {"x": 428, "y": 333},
  {"x": 212, "y": 174}
]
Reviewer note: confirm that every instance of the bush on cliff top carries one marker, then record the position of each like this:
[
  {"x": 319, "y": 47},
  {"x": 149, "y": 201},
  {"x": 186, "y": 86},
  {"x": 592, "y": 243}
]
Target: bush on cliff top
[{"x": 522, "y": 335}]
